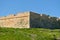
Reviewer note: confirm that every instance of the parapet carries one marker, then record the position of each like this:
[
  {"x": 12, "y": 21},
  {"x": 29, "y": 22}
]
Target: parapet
[{"x": 23, "y": 14}]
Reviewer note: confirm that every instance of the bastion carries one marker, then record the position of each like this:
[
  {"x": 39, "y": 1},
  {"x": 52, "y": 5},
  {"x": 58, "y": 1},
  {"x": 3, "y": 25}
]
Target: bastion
[{"x": 28, "y": 20}]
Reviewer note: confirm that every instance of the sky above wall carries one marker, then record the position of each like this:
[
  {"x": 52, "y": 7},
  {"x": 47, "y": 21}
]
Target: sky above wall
[{"x": 49, "y": 7}]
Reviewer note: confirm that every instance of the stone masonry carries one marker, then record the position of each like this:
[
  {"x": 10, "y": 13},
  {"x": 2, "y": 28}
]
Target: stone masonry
[
  {"x": 21, "y": 20},
  {"x": 29, "y": 20}
]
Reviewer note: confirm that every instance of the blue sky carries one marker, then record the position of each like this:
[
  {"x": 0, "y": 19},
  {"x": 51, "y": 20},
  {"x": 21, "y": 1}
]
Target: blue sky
[{"x": 49, "y": 7}]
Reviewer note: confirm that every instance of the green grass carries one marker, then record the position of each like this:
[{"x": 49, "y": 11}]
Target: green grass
[{"x": 28, "y": 34}]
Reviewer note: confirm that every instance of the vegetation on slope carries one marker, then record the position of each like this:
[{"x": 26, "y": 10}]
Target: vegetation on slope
[{"x": 28, "y": 34}]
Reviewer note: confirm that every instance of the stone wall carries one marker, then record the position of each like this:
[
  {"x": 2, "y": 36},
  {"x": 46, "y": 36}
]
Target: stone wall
[
  {"x": 21, "y": 20},
  {"x": 34, "y": 20},
  {"x": 30, "y": 20},
  {"x": 43, "y": 21}
]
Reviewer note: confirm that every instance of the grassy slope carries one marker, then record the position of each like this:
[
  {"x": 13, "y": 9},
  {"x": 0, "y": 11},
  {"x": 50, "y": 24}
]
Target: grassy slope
[{"x": 28, "y": 34}]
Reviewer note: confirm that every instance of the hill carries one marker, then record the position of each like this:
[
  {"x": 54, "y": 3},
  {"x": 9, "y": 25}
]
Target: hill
[{"x": 28, "y": 34}]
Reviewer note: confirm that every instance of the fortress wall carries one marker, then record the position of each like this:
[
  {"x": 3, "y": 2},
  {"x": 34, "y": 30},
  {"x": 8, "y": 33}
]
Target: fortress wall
[
  {"x": 39, "y": 20},
  {"x": 29, "y": 20},
  {"x": 17, "y": 21},
  {"x": 48, "y": 22},
  {"x": 43, "y": 16},
  {"x": 34, "y": 20}
]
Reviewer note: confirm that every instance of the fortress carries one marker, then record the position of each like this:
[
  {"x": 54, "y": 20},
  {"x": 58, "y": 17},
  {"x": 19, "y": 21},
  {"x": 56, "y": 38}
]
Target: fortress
[{"x": 29, "y": 20}]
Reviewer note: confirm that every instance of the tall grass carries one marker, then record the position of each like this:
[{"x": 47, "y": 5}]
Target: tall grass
[{"x": 28, "y": 34}]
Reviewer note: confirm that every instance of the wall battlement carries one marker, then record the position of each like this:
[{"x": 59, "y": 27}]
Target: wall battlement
[{"x": 29, "y": 20}]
